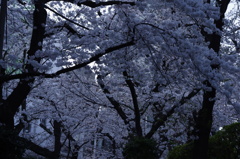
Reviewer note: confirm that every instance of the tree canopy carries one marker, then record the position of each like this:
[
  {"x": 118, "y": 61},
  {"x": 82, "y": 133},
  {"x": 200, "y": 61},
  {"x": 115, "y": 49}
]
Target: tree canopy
[{"x": 93, "y": 76}]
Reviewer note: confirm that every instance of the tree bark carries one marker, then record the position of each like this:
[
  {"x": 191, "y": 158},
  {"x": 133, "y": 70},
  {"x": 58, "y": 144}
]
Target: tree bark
[
  {"x": 137, "y": 118},
  {"x": 57, "y": 141},
  {"x": 3, "y": 15},
  {"x": 10, "y": 106},
  {"x": 204, "y": 124},
  {"x": 204, "y": 118}
]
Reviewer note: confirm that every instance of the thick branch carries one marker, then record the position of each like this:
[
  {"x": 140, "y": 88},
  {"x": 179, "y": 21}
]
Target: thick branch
[
  {"x": 6, "y": 78},
  {"x": 92, "y": 4},
  {"x": 57, "y": 138},
  {"x": 164, "y": 117},
  {"x": 2, "y": 24},
  {"x": 95, "y": 4},
  {"x": 35, "y": 148},
  {"x": 135, "y": 104},
  {"x": 116, "y": 104},
  {"x": 46, "y": 129}
]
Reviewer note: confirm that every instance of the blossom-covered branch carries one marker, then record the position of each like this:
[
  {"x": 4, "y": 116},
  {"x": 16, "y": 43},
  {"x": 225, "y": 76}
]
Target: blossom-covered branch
[
  {"x": 98, "y": 4},
  {"x": 65, "y": 70},
  {"x": 163, "y": 117}
]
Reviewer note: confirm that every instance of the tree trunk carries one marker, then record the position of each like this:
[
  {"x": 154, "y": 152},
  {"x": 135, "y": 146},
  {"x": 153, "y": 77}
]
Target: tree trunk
[
  {"x": 10, "y": 106},
  {"x": 57, "y": 141},
  {"x": 137, "y": 118},
  {"x": 204, "y": 119},
  {"x": 3, "y": 15},
  {"x": 204, "y": 124}
]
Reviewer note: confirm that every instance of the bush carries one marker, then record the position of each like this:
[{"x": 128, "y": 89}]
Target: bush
[
  {"x": 140, "y": 148},
  {"x": 225, "y": 144},
  {"x": 181, "y": 152}
]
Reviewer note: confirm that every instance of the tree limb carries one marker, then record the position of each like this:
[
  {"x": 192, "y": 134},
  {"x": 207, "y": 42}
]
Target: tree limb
[
  {"x": 34, "y": 147},
  {"x": 116, "y": 104},
  {"x": 164, "y": 117},
  {"x": 98, "y": 4},
  {"x": 137, "y": 118},
  {"x": 66, "y": 18},
  {"x": 5, "y": 78}
]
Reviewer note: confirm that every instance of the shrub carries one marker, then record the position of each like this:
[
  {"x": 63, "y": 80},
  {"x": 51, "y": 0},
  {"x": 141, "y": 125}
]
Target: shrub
[
  {"x": 140, "y": 148},
  {"x": 181, "y": 152},
  {"x": 225, "y": 144}
]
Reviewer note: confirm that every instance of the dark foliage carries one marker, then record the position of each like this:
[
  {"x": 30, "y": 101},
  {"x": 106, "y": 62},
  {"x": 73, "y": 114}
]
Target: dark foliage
[
  {"x": 140, "y": 148},
  {"x": 225, "y": 144}
]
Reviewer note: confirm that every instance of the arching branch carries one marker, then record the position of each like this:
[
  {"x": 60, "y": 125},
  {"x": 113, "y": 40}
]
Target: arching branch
[
  {"x": 98, "y": 4},
  {"x": 6, "y": 78}
]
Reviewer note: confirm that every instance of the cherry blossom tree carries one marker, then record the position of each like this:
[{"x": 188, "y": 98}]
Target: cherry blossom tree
[
  {"x": 154, "y": 63},
  {"x": 35, "y": 60}
]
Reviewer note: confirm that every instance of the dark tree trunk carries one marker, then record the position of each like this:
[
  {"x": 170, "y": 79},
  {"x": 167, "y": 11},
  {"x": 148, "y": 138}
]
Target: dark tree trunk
[
  {"x": 204, "y": 118},
  {"x": 8, "y": 145},
  {"x": 57, "y": 135},
  {"x": 3, "y": 14},
  {"x": 137, "y": 118},
  {"x": 204, "y": 124},
  {"x": 9, "y": 107}
]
